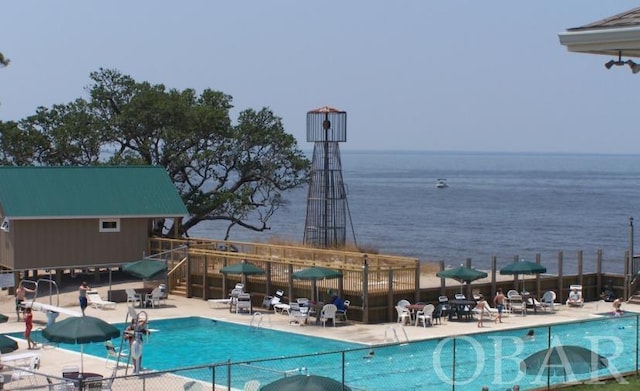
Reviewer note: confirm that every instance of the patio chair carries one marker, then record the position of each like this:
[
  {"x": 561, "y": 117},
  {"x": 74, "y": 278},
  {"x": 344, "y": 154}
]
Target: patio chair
[
  {"x": 404, "y": 303},
  {"x": 404, "y": 315},
  {"x": 436, "y": 316},
  {"x": 29, "y": 373},
  {"x": 512, "y": 292},
  {"x": 342, "y": 314},
  {"x": 96, "y": 301},
  {"x": 133, "y": 297},
  {"x": 547, "y": 301},
  {"x": 243, "y": 303},
  {"x": 156, "y": 296},
  {"x": 424, "y": 315},
  {"x": 489, "y": 311},
  {"x": 328, "y": 313},
  {"x": 298, "y": 314},
  {"x": 575, "y": 298}
]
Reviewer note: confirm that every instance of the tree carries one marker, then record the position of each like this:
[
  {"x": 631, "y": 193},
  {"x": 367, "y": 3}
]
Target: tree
[{"x": 233, "y": 173}]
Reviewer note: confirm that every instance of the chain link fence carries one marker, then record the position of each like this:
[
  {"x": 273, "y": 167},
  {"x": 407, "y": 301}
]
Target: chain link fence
[{"x": 469, "y": 362}]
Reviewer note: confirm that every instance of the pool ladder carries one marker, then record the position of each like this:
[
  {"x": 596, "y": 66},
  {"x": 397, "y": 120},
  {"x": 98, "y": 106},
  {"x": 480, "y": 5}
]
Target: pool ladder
[
  {"x": 394, "y": 331},
  {"x": 257, "y": 318}
]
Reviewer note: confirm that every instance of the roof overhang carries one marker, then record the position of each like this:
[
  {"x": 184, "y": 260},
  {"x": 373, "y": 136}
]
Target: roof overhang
[{"x": 606, "y": 41}]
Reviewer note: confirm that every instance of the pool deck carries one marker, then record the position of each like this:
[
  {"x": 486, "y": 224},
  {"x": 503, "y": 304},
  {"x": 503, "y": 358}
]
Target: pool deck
[{"x": 53, "y": 359}]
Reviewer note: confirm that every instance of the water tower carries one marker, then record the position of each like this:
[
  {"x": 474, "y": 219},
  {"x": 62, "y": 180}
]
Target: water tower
[{"x": 327, "y": 207}]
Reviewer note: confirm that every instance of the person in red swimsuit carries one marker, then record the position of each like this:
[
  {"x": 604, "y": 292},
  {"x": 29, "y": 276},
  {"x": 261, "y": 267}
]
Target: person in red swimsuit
[{"x": 28, "y": 323}]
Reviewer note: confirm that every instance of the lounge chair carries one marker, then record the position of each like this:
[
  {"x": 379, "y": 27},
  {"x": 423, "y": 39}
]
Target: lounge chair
[
  {"x": 328, "y": 313},
  {"x": 547, "y": 302},
  {"x": 575, "y": 298},
  {"x": 97, "y": 302},
  {"x": 21, "y": 373},
  {"x": 404, "y": 316},
  {"x": 424, "y": 315},
  {"x": 512, "y": 292},
  {"x": 516, "y": 304},
  {"x": 489, "y": 311},
  {"x": 114, "y": 354}
]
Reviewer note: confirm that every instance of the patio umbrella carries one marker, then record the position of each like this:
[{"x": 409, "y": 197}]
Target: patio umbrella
[
  {"x": 145, "y": 268},
  {"x": 80, "y": 330},
  {"x": 243, "y": 268},
  {"x": 305, "y": 383},
  {"x": 523, "y": 267},
  {"x": 3, "y": 318},
  {"x": 462, "y": 274},
  {"x": 562, "y": 360},
  {"x": 316, "y": 273},
  {"x": 7, "y": 345}
]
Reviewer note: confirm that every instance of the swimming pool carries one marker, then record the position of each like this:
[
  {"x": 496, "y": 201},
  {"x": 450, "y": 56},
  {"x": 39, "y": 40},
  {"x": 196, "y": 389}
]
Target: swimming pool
[{"x": 482, "y": 359}]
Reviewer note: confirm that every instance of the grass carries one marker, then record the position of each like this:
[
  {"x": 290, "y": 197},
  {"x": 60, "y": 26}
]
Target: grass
[{"x": 611, "y": 385}]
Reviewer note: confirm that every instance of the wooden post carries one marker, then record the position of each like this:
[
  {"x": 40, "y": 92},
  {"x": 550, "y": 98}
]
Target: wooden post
[
  {"x": 267, "y": 276},
  {"x": 417, "y": 281},
  {"x": 494, "y": 287},
  {"x": 468, "y": 294},
  {"x": 205, "y": 286},
  {"x": 625, "y": 293},
  {"x": 560, "y": 277},
  {"x": 365, "y": 290},
  {"x": 390, "y": 299},
  {"x": 443, "y": 285},
  {"x": 187, "y": 278},
  {"x": 580, "y": 279},
  {"x": 538, "y": 260},
  {"x": 290, "y": 283},
  {"x": 516, "y": 258},
  {"x": 599, "y": 270}
]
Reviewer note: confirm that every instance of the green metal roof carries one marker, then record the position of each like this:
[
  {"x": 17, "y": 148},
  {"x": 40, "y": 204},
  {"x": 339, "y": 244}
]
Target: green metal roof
[{"x": 101, "y": 191}]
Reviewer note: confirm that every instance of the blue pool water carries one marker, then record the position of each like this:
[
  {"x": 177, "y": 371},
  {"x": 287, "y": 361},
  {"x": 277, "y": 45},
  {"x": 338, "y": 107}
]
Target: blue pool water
[{"x": 490, "y": 359}]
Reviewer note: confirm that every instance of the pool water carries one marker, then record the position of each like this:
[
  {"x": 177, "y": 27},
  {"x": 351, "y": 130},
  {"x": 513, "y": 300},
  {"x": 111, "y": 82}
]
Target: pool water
[
  {"x": 191, "y": 341},
  {"x": 490, "y": 359}
]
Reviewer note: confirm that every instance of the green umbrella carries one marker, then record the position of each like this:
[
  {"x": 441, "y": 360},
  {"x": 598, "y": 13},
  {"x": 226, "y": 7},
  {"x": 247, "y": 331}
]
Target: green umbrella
[
  {"x": 7, "y": 345},
  {"x": 523, "y": 267},
  {"x": 145, "y": 268},
  {"x": 562, "y": 360},
  {"x": 316, "y": 273},
  {"x": 3, "y": 318},
  {"x": 462, "y": 274},
  {"x": 248, "y": 269},
  {"x": 305, "y": 383},
  {"x": 80, "y": 330}
]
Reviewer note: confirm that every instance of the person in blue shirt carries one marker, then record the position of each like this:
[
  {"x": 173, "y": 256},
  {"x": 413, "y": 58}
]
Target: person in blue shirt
[{"x": 338, "y": 302}]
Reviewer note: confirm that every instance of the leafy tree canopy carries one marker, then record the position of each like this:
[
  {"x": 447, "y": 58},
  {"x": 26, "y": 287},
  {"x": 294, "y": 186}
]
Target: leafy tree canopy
[{"x": 235, "y": 173}]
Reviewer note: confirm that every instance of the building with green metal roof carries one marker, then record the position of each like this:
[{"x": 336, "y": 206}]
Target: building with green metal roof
[{"x": 75, "y": 217}]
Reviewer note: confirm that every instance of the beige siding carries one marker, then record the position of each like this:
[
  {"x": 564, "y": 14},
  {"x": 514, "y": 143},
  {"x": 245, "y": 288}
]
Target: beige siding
[{"x": 63, "y": 243}]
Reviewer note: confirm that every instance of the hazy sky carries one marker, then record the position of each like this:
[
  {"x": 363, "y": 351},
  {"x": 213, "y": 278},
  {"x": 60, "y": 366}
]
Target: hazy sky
[{"x": 412, "y": 75}]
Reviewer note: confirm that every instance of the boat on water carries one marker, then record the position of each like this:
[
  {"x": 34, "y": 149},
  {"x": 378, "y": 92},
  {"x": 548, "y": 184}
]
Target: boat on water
[{"x": 442, "y": 183}]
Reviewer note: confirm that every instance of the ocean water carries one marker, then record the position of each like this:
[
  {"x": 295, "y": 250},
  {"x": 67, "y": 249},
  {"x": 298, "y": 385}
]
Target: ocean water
[{"x": 497, "y": 204}]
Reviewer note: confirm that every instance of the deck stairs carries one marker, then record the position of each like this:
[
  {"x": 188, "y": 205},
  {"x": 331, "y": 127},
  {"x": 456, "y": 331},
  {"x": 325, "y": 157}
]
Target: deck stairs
[
  {"x": 634, "y": 299},
  {"x": 180, "y": 289}
]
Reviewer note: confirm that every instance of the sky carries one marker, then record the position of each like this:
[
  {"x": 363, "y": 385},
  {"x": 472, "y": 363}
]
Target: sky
[{"x": 411, "y": 75}]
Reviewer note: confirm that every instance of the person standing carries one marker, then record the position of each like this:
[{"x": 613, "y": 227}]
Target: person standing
[
  {"x": 481, "y": 307},
  {"x": 498, "y": 302},
  {"x": 28, "y": 325},
  {"x": 133, "y": 334},
  {"x": 21, "y": 293},
  {"x": 82, "y": 296}
]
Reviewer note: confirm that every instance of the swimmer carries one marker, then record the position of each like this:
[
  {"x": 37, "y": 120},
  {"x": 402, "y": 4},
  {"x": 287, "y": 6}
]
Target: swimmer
[{"x": 530, "y": 334}]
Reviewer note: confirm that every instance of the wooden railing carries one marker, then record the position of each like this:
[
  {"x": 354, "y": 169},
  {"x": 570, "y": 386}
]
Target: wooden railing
[{"x": 177, "y": 274}]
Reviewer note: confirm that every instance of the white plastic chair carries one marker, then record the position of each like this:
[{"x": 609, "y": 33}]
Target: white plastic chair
[
  {"x": 578, "y": 300},
  {"x": 404, "y": 316},
  {"x": 425, "y": 315},
  {"x": 133, "y": 297},
  {"x": 328, "y": 313},
  {"x": 548, "y": 301},
  {"x": 342, "y": 314},
  {"x": 29, "y": 373},
  {"x": 156, "y": 296}
]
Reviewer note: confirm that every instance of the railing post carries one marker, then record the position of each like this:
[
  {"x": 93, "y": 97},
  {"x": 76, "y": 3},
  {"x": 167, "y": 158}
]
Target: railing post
[{"x": 365, "y": 290}]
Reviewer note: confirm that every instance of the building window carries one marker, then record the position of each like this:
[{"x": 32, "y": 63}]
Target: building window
[{"x": 109, "y": 225}]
